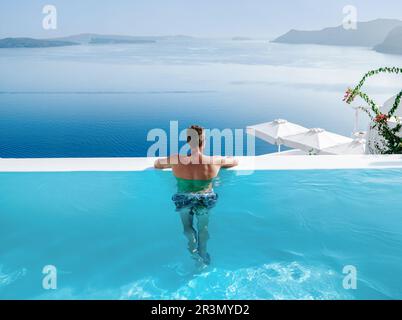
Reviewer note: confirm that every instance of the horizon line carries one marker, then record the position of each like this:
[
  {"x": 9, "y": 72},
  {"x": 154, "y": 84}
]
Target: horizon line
[{"x": 188, "y": 35}]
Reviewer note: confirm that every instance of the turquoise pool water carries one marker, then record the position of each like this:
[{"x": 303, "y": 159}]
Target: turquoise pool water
[{"x": 273, "y": 235}]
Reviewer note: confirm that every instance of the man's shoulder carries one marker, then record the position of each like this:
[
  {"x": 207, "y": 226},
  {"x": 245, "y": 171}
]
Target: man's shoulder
[
  {"x": 174, "y": 159},
  {"x": 213, "y": 160}
]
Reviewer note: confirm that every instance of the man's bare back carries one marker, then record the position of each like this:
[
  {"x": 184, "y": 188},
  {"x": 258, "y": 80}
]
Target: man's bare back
[{"x": 197, "y": 166}]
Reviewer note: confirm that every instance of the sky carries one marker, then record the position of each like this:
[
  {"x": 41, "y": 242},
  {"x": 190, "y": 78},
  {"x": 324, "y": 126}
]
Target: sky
[{"x": 204, "y": 18}]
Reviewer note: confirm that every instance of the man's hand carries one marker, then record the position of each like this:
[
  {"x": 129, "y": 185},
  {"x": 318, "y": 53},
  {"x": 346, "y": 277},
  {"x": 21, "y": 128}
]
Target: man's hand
[
  {"x": 229, "y": 162},
  {"x": 162, "y": 164}
]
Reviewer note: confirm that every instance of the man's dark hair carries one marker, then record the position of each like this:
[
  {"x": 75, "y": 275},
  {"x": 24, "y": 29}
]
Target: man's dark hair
[{"x": 195, "y": 135}]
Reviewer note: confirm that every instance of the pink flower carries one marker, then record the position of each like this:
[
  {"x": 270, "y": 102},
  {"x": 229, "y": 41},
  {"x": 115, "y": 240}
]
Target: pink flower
[
  {"x": 349, "y": 96},
  {"x": 381, "y": 118}
]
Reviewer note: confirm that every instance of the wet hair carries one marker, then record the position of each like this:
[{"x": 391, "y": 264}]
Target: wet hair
[{"x": 195, "y": 136}]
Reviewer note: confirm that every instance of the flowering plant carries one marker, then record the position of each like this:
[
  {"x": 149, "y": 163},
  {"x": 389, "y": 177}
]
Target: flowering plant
[
  {"x": 381, "y": 118},
  {"x": 392, "y": 142}
]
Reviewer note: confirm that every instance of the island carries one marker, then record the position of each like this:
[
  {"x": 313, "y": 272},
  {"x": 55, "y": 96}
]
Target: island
[
  {"x": 94, "y": 38},
  {"x": 85, "y": 39},
  {"x": 33, "y": 43},
  {"x": 119, "y": 41},
  {"x": 367, "y": 34},
  {"x": 392, "y": 43},
  {"x": 241, "y": 39}
]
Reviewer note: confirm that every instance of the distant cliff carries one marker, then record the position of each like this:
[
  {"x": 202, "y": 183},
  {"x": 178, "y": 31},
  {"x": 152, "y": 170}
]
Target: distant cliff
[
  {"x": 368, "y": 34},
  {"x": 392, "y": 43},
  {"x": 33, "y": 43}
]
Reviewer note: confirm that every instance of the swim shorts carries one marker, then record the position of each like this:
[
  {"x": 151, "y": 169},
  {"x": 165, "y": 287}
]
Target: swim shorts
[{"x": 195, "y": 201}]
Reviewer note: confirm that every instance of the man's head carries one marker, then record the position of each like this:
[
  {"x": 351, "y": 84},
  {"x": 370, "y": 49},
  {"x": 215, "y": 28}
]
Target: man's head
[{"x": 195, "y": 137}]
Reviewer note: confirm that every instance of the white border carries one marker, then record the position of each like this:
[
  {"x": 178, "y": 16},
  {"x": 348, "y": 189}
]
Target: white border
[{"x": 265, "y": 162}]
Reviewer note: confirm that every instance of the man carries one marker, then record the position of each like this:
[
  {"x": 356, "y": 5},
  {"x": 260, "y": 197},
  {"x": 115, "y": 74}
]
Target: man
[{"x": 195, "y": 196}]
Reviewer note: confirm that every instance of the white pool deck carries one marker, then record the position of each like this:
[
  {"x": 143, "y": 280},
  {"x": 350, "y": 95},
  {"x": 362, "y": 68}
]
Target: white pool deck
[{"x": 285, "y": 161}]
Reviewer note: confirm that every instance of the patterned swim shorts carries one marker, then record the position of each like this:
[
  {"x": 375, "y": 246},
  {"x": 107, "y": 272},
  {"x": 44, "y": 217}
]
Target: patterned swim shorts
[{"x": 195, "y": 201}]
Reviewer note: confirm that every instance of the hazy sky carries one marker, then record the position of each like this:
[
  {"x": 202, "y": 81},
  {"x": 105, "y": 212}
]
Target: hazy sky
[{"x": 210, "y": 18}]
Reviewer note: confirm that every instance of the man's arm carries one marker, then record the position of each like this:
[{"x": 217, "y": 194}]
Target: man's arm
[
  {"x": 166, "y": 163},
  {"x": 229, "y": 162}
]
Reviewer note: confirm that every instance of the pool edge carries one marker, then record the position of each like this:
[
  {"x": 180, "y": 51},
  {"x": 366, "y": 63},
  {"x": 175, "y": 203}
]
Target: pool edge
[{"x": 264, "y": 162}]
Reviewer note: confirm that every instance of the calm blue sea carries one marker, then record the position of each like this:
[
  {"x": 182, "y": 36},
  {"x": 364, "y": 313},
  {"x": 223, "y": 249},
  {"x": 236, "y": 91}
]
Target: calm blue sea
[{"x": 95, "y": 101}]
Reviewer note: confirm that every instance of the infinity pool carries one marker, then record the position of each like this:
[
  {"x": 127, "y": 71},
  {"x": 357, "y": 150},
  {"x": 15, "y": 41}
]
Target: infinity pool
[{"x": 273, "y": 235}]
